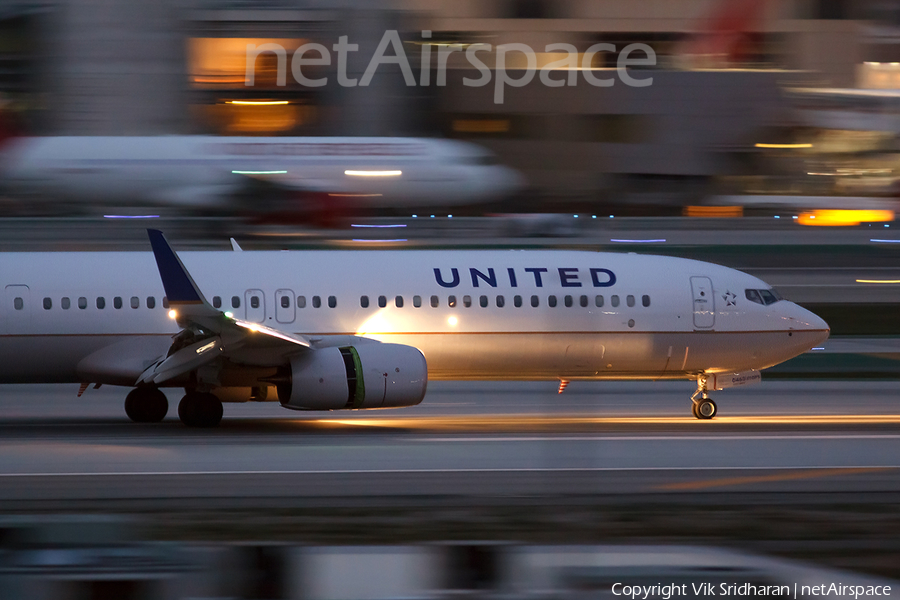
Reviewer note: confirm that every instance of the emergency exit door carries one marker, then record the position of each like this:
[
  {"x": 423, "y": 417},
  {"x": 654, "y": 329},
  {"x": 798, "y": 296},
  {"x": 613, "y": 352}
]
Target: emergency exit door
[{"x": 17, "y": 308}]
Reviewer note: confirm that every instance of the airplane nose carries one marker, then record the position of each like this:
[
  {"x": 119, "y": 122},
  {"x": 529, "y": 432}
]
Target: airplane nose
[{"x": 808, "y": 320}]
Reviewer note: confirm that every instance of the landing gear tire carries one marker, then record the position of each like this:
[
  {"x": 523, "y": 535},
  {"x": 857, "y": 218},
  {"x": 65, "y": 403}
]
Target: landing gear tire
[
  {"x": 706, "y": 409},
  {"x": 200, "y": 409},
  {"x": 694, "y": 410},
  {"x": 146, "y": 405}
]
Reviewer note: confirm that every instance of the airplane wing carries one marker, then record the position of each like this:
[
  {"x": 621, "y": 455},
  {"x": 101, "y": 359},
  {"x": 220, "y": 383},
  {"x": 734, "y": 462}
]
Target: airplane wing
[{"x": 207, "y": 333}]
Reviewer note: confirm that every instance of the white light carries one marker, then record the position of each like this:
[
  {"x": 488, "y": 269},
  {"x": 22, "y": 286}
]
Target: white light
[
  {"x": 257, "y": 102},
  {"x": 229, "y": 314},
  {"x": 259, "y": 172},
  {"x": 172, "y": 314},
  {"x": 130, "y": 216},
  {"x": 356, "y": 173},
  {"x": 452, "y": 321},
  {"x": 207, "y": 347}
]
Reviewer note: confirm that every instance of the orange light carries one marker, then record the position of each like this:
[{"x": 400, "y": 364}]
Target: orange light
[
  {"x": 784, "y": 146},
  {"x": 836, "y": 218},
  {"x": 714, "y": 211},
  {"x": 481, "y": 125}
]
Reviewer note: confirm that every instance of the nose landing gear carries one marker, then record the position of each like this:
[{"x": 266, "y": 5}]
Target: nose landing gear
[{"x": 702, "y": 406}]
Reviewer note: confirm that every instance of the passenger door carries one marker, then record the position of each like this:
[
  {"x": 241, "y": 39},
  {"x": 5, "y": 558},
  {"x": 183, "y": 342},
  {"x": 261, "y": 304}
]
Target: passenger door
[{"x": 704, "y": 303}]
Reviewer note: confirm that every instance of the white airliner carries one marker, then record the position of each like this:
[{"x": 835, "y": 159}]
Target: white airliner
[
  {"x": 330, "y": 330},
  {"x": 210, "y": 172}
]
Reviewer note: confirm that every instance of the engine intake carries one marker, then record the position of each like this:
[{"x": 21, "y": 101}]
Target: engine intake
[{"x": 366, "y": 376}]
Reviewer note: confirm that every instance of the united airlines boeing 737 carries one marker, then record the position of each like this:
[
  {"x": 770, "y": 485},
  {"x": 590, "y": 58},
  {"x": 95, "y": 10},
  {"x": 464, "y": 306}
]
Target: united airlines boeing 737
[{"x": 330, "y": 330}]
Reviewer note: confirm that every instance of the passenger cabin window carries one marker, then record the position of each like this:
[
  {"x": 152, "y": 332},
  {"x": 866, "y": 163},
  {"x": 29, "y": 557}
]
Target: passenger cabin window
[
  {"x": 101, "y": 302},
  {"x": 614, "y": 300},
  {"x": 645, "y": 300},
  {"x": 517, "y": 301},
  {"x": 301, "y": 301},
  {"x": 569, "y": 301},
  {"x": 535, "y": 301},
  {"x": 135, "y": 302},
  {"x": 417, "y": 301},
  {"x": 19, "y": 304},
  {"x": 285, "y": 302},
  {"x": 398, "y": 301},
  {"x": 629, "y": 300},
  {"x": 382, "y": 301},
  {"x": 82, "y": 302},
  {"x": 235, "y": 302},
  {"x": 364, "y": 301},
  {"x": 551, "y": 301},
  {"x": 117, "y": 302},
  {"x": 501, "y": 301},
  {"x": 316, "y": 302},
  {"x": 583, "y": 301},
  {"x": 254, "y": 301},
  {"x": 483, "y": 301},
  {"x": 332, "y": 301},
  {"x": 451, "y": 301},
  {"x": 598, "y": 301},
  {"x": 48, "y": 303},
  {"x": 151, "y": 302},
  {"x": 467, "y": 301},
  {"x": 435, "y": 302},
  {"x": 65, "y": 303},
  {"x": 165, "y": 302},
  {"x": 217, "y": 302}
]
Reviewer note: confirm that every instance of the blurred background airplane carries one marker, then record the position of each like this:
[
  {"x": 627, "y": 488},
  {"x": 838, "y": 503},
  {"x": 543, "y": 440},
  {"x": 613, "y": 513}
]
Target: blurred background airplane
[{"x": 297, "y": 175}]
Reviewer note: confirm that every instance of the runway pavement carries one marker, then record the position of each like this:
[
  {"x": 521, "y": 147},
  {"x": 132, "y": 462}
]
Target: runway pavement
[{"x": 468, "y": 442}]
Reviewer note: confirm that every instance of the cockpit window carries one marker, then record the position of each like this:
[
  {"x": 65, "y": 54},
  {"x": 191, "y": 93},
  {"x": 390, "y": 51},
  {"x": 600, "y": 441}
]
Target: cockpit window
[
  {"x": 768, "y": 297},
  {"x": 765, "y": 297}
]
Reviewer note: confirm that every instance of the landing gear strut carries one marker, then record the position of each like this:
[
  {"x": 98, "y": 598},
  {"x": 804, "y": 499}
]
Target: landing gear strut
[
  {"x": 200, "y": 409},
  {"x": 702, "y": 406},
  {"x": 146, "y": 405}
]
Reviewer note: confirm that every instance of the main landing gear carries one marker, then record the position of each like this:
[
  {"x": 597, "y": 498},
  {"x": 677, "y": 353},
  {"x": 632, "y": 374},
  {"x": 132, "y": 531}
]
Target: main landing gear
[
  {"x": 146, "y": 405},
  {"x": 702, "y": 406},
  {"x": 200, "y": 409},
  {"x": 196, "y": 409}
]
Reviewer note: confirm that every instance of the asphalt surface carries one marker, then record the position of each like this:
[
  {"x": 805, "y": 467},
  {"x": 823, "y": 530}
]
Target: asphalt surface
[{"x": 509, "y": 442}]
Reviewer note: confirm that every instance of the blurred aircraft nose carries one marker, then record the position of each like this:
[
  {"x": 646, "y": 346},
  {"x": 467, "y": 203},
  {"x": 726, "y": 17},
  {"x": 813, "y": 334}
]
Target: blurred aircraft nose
[{"x": 504, "y": 181}]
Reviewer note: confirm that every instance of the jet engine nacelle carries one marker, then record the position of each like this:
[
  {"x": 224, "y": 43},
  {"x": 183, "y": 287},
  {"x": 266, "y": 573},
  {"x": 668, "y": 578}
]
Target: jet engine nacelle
[{"x": 366, "y": 376}]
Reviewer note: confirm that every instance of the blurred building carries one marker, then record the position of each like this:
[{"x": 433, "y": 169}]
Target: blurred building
[{"x": 85, "y": 67}]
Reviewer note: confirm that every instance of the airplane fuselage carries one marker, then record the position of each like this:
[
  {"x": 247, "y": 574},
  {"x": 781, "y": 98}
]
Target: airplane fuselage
[{"x": 504, "y": 315}]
